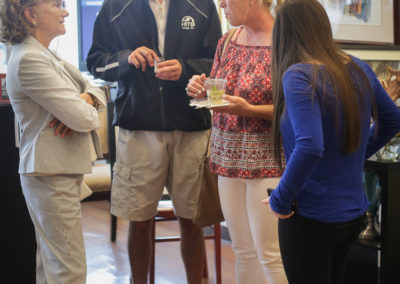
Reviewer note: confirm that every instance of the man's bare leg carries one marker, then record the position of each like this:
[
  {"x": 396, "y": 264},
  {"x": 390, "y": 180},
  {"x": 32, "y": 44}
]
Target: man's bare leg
[
  {"x": 192, "y": 250},
  {"x": 139, "y": 250}
]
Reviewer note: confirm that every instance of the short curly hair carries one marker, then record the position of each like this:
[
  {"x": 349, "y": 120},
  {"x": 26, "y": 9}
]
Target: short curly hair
[{"x": 14, "y": 26}]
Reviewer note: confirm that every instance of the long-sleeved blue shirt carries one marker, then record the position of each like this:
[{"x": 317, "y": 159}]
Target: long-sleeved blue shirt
[{"x": 325, "y": 181}]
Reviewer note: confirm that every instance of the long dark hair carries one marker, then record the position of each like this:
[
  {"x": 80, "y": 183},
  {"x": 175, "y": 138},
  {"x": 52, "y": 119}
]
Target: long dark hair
[{"x": 302, "y": 34}]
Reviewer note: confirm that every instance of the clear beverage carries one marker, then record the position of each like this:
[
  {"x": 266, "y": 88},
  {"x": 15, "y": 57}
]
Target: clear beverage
[
  {"x": 215, "y": 90},
  {"x": 160, "y": 59}
]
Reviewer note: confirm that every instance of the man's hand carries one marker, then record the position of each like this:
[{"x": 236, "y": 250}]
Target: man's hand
[
  {"x": 142, "y": 57},
  {"x": 170, "y": 70},
  {"x": 60, "y": 128}
]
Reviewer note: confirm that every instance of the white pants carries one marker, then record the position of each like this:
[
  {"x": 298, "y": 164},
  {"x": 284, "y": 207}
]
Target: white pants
[
  {"x": 253, "y": 229},
  {"x": 53, "y": 204}
]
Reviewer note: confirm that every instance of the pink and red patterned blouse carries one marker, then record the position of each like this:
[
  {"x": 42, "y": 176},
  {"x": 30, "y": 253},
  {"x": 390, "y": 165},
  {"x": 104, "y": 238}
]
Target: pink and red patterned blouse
[{"x": 241, "y": 146}]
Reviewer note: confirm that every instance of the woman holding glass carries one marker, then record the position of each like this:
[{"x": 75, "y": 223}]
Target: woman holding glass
[
  {"x": 241, "y": 150},
  {"x": 56, "y": 111}
]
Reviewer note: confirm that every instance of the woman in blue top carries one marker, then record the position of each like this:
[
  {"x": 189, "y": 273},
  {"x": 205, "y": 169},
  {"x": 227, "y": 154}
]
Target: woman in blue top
[{"x": 324, "y": 102}]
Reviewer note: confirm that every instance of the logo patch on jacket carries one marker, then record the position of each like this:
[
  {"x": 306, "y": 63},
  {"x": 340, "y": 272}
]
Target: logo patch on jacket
[{"x": 188, "y": 23}]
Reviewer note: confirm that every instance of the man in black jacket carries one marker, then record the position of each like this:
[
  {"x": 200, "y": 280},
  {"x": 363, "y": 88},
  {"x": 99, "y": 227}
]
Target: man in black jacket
[{"x": 162, "y": 140}]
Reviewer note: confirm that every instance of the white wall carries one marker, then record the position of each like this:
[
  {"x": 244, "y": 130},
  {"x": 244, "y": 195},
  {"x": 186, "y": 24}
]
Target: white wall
[
  {"x": 67, "y": 45},
  {"x": 376, "y": 54}
]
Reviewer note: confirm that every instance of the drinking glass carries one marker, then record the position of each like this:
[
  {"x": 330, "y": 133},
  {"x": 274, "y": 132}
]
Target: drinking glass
[
  {"x": 156, "y": 61},
  {"x": 215, "y": 90}
]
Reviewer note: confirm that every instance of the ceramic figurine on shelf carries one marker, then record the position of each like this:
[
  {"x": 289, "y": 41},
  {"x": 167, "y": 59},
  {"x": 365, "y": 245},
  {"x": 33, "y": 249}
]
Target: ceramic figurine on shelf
[
  {"x": 373, "y": 190},
  {"x": 391, "y": 151}
]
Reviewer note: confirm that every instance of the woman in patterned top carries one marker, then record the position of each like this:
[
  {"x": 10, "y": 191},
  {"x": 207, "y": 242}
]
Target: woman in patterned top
[{"x": 241, "y": 150}]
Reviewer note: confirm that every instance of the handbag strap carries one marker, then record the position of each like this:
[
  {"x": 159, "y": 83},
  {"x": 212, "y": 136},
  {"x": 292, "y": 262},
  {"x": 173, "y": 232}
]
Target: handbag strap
[
  {"x": 208, "y": 144},
  {"x": 227, "y": 40}
]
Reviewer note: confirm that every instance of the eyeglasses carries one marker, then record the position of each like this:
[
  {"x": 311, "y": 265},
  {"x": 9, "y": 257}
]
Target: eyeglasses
[{"x": 61, "y": 4}]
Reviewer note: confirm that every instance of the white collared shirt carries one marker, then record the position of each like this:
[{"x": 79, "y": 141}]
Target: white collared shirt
[{"x": 160, "y": 12}]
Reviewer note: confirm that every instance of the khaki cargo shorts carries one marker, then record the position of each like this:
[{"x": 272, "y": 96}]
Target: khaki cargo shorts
[{"x": 149, "y": 160}]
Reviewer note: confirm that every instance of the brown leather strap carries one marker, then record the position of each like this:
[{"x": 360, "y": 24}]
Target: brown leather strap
[{"x": 227, "y": 40}]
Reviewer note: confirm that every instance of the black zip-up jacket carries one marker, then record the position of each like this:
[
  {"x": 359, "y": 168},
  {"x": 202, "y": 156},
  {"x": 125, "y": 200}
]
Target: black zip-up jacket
[{"x": 143, "y": 101}]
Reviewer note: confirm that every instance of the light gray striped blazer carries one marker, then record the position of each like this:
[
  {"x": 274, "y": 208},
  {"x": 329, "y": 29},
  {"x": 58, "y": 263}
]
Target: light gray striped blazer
[{"x": 42, "y": 86}]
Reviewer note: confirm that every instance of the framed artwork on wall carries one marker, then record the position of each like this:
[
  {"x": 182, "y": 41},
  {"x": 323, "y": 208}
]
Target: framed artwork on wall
[
  {"x": 364, "y": 21},
  {"x": 380, "y": 67},
  {"x": 388, "y": 72}
]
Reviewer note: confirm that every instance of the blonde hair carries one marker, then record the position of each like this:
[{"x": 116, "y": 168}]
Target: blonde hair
[
  {"x": 264, "y": 2},
  {"x": 14, "y": 26}
]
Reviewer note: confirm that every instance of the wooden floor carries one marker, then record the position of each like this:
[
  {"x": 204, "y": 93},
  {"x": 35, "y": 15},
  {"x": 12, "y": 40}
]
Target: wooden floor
[{"x": 107, "y": 262}]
